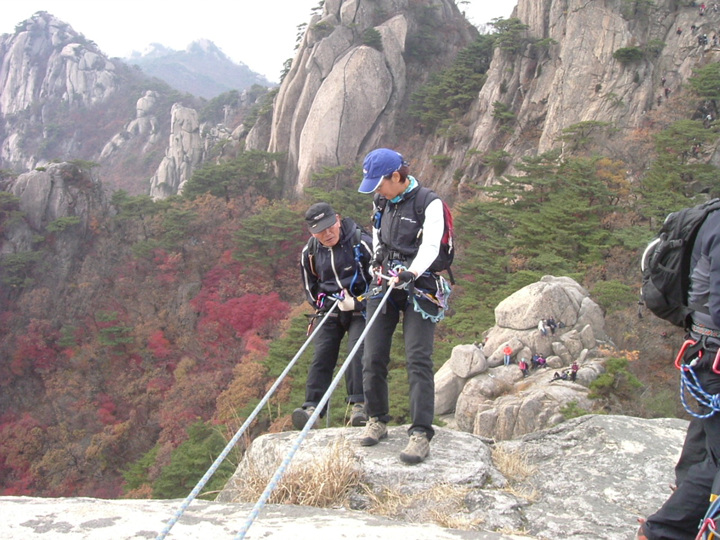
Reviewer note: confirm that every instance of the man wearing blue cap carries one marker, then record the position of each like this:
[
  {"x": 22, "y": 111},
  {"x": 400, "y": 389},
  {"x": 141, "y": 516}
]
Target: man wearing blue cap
[{"x": 405, "y": 244}]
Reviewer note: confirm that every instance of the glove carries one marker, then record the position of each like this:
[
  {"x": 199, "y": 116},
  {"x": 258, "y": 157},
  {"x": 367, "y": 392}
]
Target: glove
[
  {"x": 347, "y": 303},
  {"x": 406, "y": 276}
]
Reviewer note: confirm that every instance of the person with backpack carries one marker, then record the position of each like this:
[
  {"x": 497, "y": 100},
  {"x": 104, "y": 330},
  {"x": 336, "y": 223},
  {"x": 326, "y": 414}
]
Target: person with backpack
[
  {"x": 699, "y": 311},
  {"x": 335, "y": 264},
  {"x": 407, "y": 239}
]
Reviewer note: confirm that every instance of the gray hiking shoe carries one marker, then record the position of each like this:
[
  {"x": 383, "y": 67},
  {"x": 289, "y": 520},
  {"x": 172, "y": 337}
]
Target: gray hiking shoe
[
  {"x": 417, "y": 449},
  {"x": 301, "y": 416},
  {"x": 358, "y": 416},
  {"x": 374, "y": 431}
]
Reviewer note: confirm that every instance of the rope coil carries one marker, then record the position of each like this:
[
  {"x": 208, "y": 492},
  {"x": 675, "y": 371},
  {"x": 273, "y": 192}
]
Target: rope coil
[{"x": 709, "y": 401}]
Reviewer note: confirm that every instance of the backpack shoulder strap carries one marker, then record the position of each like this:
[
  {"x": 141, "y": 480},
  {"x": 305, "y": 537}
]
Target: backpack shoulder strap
[
  {"x": 379, "y": 201},
  {"x": 424, "y": 197},
  {"x": 312, "y": 246}
]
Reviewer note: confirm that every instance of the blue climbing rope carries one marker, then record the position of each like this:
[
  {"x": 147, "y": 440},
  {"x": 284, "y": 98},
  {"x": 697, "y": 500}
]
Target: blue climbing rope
[
  {"x": 213, "y": 468},
  {"x": 311, "y": 421},
  {"x": 689, "y": 383}
]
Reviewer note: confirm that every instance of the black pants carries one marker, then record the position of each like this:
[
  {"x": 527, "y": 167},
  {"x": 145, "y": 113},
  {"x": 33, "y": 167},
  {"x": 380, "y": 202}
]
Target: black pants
[
  {"x": 680, "y": 516},
  {"x": 693, "y": 450},
  {"x": 419, "y": 334},
  {"x": 327, "y": 349}
]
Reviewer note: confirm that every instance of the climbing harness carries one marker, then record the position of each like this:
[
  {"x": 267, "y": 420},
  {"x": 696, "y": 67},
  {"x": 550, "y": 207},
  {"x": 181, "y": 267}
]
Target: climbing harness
[
  {"x": 708, "y": 526},
  {"x": 440, "y": 298},
  {"x": 311, "y": 421},
  {"x": 693, "y": 350},
  {"x": 213, "y": 468}
]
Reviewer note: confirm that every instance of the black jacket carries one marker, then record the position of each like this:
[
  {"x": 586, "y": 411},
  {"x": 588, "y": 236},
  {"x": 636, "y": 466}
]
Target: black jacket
[{"x": 330, "y": 270}]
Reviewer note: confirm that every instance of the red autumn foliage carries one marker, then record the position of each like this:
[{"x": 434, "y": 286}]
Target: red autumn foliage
[
  {"x": 106, "y": 409},
  {"x": 159, "y": 345},
  {"x": 168, "y": 266},
  {"x": 35, "y": 349}
]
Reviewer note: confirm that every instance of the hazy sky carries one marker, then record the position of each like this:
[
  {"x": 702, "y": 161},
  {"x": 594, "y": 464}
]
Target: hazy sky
[{"x": 119, "y": 27}]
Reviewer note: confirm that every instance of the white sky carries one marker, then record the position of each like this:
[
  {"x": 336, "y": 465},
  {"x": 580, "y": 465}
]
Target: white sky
[{"x": 259, "y": 33}]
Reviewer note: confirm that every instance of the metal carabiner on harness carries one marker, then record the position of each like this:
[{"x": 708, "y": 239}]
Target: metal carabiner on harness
[{"x": 694, "y": 348}]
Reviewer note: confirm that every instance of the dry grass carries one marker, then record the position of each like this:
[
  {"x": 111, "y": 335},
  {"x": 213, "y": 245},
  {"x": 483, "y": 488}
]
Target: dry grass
[
  {"x": 516, "y": 468},
  {"x": 325, "y": 482},
  {"x": 513, "y": 465},
  {"x": 442, "y": 504}
]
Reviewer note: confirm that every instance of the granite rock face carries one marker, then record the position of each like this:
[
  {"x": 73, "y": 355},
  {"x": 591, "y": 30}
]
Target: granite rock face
[
  {"x": 590, "y": 477},
  {"x": 342, "y": 95}
]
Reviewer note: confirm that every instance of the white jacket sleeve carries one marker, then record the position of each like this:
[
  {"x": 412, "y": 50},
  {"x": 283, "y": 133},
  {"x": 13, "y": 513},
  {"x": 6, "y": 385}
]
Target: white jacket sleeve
[{"x": 433, "y": 229}]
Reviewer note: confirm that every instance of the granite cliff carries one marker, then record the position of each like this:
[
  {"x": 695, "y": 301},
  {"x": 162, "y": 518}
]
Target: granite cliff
[
  {"x": 62, "y": 98},
  {"x": 349, "y": 89}
]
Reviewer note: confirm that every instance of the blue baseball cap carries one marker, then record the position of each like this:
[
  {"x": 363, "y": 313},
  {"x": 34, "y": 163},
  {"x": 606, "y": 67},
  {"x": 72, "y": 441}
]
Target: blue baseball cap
[{"x": 378, "y": 164}]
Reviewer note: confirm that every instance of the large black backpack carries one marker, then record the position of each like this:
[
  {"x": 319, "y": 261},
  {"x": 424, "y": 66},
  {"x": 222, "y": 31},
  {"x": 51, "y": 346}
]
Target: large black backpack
[{"x": 665, "y": 264}]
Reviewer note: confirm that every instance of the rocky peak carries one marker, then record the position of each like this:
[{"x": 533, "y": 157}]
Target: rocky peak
[
  {"x": 183, "y": 155},
  {"x": 481, "y": 395},
  {"x": 202, "y": 69},
  {"x": 62, "y": 191},
  {"x": 47, "y": 59},
  {"x": 349, "y": 78},
  {"x": 573, "y": 77}
]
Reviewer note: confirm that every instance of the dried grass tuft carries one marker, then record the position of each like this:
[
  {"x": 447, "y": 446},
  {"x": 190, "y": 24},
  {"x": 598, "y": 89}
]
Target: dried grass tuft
[
  {"x": 325, "y": 482},
  {"x": 515, "y": 467},
  {"x": 443, "y": 503}
]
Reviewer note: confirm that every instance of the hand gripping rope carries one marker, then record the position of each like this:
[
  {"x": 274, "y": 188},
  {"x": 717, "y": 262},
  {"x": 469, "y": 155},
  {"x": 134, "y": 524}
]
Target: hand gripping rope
[
  {"x": 204, "y": 480},
  {"x": 296, "y": 445}
]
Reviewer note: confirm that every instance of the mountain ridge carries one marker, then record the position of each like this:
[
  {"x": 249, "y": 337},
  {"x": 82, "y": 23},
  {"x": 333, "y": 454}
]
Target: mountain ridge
[{"x": 201, "y": 69}]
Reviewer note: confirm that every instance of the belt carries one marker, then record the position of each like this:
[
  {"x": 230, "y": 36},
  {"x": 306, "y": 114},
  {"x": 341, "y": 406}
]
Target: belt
[{"x": 705, "y": 331}]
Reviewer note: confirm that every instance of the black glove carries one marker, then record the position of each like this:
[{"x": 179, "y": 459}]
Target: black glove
[{"x": 406, "y": 276}]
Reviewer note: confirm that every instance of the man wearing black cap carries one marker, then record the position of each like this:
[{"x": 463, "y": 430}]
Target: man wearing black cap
[
  {"x": 335, "y": 263},
  {"x": 406, "y": 244}
]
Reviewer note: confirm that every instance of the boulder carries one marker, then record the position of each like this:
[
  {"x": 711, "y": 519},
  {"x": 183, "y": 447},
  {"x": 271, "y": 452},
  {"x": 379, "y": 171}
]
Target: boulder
[
  {"x": 498, "y": 402},
  {"x": 467, "y": 361},
  {"x": 447, "y": 389}
]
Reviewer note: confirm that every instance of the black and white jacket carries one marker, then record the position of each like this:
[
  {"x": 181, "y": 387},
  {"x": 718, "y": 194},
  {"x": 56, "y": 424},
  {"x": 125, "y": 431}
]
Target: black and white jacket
[{"x": 330, "y": 270}]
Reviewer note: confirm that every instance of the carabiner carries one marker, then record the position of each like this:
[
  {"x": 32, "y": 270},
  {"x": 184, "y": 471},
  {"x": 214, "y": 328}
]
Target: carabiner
[
  {"x": 681, "y": 354},
  {"x": 716, "y": 363}
]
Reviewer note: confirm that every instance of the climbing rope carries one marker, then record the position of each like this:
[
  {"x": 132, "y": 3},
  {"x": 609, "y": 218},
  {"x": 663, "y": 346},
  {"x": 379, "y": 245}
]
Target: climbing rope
[
  {"x": 311, "y": 421},
  {"x": 710, "y": 401},
  {"x": 213, "y": 468}
]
